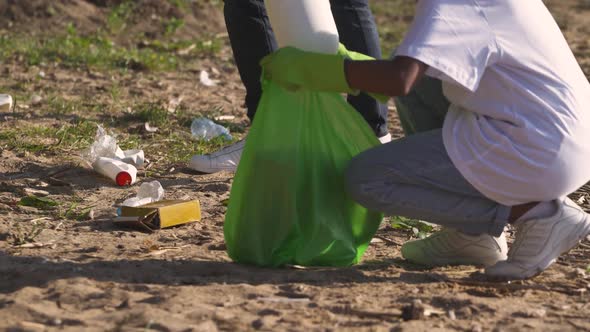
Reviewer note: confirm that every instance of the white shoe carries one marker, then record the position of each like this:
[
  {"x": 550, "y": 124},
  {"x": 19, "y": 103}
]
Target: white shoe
[
  {"x": 451, "y": 247},
  {"x": 226, "y": 159},
  {"x": 385, "y": 139},
  {"x": 539, "y": 242}
]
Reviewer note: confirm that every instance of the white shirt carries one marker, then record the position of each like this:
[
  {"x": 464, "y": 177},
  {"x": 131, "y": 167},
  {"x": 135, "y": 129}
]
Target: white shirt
[{"x": 518, "y": 128}]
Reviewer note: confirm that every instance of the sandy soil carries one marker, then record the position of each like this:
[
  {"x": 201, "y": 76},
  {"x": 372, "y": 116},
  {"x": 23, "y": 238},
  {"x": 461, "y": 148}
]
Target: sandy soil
[{"x": 91, "y": 276}]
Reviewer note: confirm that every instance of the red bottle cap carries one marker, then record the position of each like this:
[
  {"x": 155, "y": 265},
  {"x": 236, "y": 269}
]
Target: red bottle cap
[{"x": 123, "y": 179}]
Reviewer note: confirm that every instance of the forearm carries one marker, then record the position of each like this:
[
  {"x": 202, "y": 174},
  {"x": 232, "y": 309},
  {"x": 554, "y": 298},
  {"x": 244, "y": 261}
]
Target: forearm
[{"x": 394, "y": 77}]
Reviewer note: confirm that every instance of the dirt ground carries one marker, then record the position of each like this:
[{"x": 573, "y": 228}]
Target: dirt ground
[{"x": 84, "y": 274}]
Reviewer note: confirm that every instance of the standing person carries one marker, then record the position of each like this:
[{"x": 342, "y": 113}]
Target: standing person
[
  {"x": 252, "y": 38},
  {"x": 515, "y": 140}
]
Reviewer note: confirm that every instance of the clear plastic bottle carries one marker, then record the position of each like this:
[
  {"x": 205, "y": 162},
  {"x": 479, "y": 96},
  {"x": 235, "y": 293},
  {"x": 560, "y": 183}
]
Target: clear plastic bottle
[{"x": 206, "y": 129}]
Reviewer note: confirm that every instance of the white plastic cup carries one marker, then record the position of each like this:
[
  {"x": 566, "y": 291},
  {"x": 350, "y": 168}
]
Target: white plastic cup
[
  {"x": 305, "y": 24},
  {"x": 122, "y": 173},
  {"x": 5, "y": 103}
]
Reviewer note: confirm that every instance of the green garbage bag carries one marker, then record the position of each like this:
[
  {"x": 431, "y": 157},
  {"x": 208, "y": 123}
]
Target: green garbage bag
[{"x": 288, "y": 203}]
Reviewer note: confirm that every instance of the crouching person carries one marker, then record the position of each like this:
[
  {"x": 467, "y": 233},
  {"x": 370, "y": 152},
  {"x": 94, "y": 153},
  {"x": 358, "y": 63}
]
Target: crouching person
[{"x": 514, "y": 143}]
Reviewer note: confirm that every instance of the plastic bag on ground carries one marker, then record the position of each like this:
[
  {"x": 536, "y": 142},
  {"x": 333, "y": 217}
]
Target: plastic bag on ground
[
  {"x": 148, "y": 192},
  {"x": 206, "y": 129},
  {"x": 288, "y": 203}
]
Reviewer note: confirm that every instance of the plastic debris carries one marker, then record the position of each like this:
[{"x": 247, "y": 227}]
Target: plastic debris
[
  {"x": 5, "y": 103},
  {"x": 122, "y": 173},
  {"x": 149, "y": 192},
  {"x": 148, "y": 128},
  {"x": 224, "y": 118},
  {"x": 205, "y": 80},
  {"x": 206, "y": 129},
  {"x": 107, "y": 158}
]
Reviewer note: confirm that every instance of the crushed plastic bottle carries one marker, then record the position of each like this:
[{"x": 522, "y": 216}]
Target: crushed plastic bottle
[
  {"x": 122, "y": 173},
  {"x": 148, "y": 192},
  {"x": 206, "y": 129}
]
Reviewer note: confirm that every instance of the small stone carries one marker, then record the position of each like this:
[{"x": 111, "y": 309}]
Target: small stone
[
  {"x": 36, "y": 100},
  {"x": 476, "y": 328},
  {"x": 257, "y": 324},
  {"x": 414, "y": 311}
]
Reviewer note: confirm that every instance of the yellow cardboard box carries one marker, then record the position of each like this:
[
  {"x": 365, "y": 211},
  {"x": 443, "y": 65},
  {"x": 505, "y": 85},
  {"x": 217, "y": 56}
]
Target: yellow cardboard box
[{"x": 158, "y": 215}]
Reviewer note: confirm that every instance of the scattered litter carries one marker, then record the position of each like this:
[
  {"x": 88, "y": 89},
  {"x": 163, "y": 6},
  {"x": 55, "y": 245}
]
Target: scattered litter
[
  {"x": 205, "y": 80},
  {"x": 122, "y": 173},
  {"x": 108, "y": 159},
  {"x": 149, "y": 192},
  {"x": 134, "y": 157},
  {"x": 224, "y": 118},
  {"x": 35, "y": 245},
  {"x": 206, "y": 129},
  {"x": 5, "y": 103},
  {"x": 36, "y": 192},
  {"x": 187, "y": 50},
  {"x": 42, "y": 74},
  {"x": 173, "y": 104},
  {"x": 158, "y": 215},
  {"x": 36, "y": 100},
  {"x": 149, "y": 128}
]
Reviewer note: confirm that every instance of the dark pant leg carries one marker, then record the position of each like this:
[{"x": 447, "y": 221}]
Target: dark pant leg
[
  {"x": 251, "y": 39},
  {"x": 358, "y": 32}
]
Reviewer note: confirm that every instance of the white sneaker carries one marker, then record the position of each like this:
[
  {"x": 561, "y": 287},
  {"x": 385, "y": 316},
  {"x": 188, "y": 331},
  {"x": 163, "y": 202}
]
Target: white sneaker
[
  {"x": 385, "y": 139},
  {"x": 226, "y": 159},
  {"x": 540, "y": 241},
  {"x": 451, "y": 247}
]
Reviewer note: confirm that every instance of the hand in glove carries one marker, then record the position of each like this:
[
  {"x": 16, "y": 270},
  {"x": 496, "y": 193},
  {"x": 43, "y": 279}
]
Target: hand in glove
[{"x": 294, "y": 69}]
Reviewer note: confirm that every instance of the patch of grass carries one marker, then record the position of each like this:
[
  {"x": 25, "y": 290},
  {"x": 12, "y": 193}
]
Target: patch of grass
[
  {"x": 153, "y": 112},
  {"x": 420, "y": 229},
  {"x": 41, "y": 203},
  {"x": 393, "y": 19},
  {"x": 180, "y": 4},
  {"x": 23, "y": 235},
  {"x": 48, "y": 138},
  {"x": 73, "y": 50},
  {"x": 173, "y": 24},
  {"x": 119, "y": 15}
]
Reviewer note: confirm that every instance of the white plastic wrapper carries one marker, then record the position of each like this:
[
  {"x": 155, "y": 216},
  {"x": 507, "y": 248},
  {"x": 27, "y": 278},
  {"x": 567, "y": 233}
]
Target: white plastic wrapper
[
  {"x": 5, "y": 103},
  {"x": 149, "y": 192},
  {"x": 106, "y": 146}
]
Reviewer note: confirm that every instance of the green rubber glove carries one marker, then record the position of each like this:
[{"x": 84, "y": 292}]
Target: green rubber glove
[
  {"x": 294, "y": 69},
  {"x": 356, "y": 56}
]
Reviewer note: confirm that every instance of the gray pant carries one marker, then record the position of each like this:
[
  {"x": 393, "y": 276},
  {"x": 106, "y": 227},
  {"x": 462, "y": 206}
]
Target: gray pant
[{"x": 414, "y": 177}]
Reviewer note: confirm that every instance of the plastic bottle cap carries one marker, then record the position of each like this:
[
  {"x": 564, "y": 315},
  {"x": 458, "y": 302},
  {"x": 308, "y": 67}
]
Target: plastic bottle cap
[{"x": 123, "y": 179}]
